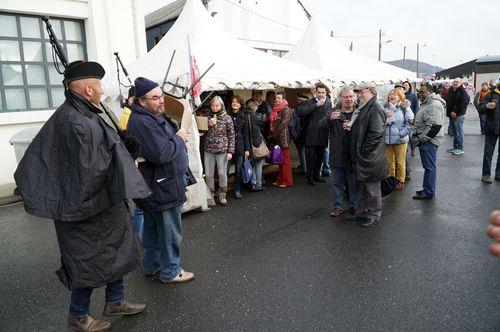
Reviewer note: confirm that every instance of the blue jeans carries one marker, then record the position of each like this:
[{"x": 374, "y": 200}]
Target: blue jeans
[
  {"x": 489, "y": 149},
  {"x": 238, "y": 163},
  {"x": 138, "y": 223},
  {"x": 457, "y": 126},
  {"x": 325, "y": 168},
  {"x": 428, "y": 155},
  {"x": 161, "y": 239},
  {"x": 257, "y": 172},
  {"x": 80, "y": 298},
  {"x": 339, "y": 177}
]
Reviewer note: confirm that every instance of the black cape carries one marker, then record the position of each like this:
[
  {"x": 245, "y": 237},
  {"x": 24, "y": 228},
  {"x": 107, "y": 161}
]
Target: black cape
[{"x": 78, "y": 172}]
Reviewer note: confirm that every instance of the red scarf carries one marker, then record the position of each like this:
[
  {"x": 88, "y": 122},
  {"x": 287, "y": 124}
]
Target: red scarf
[
  {"x": 274, "y": 114},
  {"x": 483, "y": 94}
]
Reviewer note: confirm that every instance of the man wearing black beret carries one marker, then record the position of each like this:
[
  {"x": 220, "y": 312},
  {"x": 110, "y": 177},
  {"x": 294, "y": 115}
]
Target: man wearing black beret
[{"x": 78, "y": 172}]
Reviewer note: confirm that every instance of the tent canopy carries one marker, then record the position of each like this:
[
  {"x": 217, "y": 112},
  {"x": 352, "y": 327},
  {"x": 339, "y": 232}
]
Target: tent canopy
[
  {"x": 319, "y": 50},
  {"x": 237, "y": 65}
]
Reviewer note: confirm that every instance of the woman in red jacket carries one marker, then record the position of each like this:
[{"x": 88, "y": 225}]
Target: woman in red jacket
[{"x": 280, "y": 117}]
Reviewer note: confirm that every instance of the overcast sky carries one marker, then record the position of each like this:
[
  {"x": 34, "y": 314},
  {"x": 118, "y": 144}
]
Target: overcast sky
[{"x": 454, "y": 31}]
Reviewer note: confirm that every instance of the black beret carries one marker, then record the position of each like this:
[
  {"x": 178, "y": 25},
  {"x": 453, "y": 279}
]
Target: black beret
[
  {"x": 78, "y": 70},
  {"x": 131, "y": 92}
]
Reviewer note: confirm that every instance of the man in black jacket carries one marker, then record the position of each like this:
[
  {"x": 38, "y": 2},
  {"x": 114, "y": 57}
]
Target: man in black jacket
[
  {"x": 78, "y": 172},
  {"x": 490, "y": 106},
  {"x": 164, "y": 165},
  {"x": 316, "y": 137},
  {"x": 367, "y": 151},
  {"x": 336, "y": 121},
  {"x": 456, "y": 105}
]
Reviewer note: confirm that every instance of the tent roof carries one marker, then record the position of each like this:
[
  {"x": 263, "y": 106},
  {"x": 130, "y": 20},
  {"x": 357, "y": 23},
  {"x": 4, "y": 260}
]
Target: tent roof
[
  {"x": 237, "y": 66},
  {"x": 317, "y": 49}
]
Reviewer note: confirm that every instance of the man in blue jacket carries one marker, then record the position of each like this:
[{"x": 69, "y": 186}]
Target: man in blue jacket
[{"x": 164, "y": 165}]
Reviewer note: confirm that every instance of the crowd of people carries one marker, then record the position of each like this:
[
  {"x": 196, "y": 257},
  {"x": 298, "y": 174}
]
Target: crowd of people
[{"x": 79, "y": 173}]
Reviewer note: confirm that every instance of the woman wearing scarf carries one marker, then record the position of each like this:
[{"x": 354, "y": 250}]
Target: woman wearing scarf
[
  {"x": 485, "y": 89},
  {"x": 397, "y": 131},
  {"x": 279, "y": 119},
  {"x": 219, "y": 146}
]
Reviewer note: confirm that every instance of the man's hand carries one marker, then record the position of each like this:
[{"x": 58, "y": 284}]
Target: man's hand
[
  {"x": 183, "y": 134},
  {"x": 453, "y": 115},
  {"x": 491, "y": 105},
  {"x": 493, "y": 231},
  {"x": 414, "y": 141},
  {"x": 246, "y": 154},
  {"x": 335, "y": 115},
  {"x": 229, "y": 156},
  {"x": 320, "y": 102}
]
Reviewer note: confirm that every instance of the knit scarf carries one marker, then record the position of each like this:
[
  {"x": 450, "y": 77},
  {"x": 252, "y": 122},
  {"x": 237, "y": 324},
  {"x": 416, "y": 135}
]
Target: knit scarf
[
  {"x": 274, "y": 114},
  {"x": 483, "y": 94}
]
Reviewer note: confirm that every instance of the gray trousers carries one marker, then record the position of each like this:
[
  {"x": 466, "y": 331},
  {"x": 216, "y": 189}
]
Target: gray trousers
[
  {"x": 221, "y": 161},
  {"x": 369, "y": 200}
]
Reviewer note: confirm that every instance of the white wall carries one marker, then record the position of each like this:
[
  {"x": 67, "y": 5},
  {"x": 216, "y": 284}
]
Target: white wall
[
  {"x": 276, "y": 24},
  {"x": 110, "y": 26}
]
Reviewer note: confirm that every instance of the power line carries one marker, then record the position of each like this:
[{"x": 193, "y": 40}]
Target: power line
[{"x": 264, "y": 17}]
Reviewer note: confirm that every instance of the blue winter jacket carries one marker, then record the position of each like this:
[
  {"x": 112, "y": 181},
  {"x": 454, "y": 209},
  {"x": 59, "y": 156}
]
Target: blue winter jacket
[
  {"x": 165, "y": 168},
  {"x": 398, "y": 127}
]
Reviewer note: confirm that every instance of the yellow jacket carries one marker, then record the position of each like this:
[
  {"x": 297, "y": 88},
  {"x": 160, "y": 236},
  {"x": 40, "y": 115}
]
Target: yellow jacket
[{"x": 122, "y": 123}]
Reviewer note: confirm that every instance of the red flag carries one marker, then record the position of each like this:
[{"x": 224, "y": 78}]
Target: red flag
[{"x": 195, "y": 76}]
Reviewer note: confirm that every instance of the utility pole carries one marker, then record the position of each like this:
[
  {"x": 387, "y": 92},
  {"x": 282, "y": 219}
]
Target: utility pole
[
  {"x": 418, "y": 49},
  {"x": 350, "y": 47},
  {"x": 404, "y": 56},
  {"x": 379, "y": 44}
]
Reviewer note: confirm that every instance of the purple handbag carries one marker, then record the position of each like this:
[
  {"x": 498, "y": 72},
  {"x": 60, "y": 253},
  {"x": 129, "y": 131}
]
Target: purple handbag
[{"x": 276, "y": 155}]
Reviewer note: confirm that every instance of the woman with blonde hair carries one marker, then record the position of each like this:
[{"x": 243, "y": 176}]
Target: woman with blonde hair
[{"x": 397, "y": 133}]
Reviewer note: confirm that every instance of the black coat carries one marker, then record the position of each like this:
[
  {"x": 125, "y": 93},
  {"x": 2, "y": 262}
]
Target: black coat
[
  {"x": 78, "y": 173},
  {"x": 166, "y": 169},
  {"x": 241, "y": 141},
  {"x": 254, "y": 125},
  {"x": 456, "y": 101},
  {"x": 367, "y": 146},
  {"x": 492, "y": 126},
  {"x": 339, "y": 139},
  {"x": 300, "y": 110},
  {"x": 312, "y": 115}
]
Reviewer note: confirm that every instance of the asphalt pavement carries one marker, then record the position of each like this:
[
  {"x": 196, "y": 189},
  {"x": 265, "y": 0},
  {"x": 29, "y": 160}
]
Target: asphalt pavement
[{"x": 276, "y": 261}]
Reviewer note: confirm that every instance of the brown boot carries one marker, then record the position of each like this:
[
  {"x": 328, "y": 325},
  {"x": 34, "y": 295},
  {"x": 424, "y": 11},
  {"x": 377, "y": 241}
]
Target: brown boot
[
  {"x": 123, "y": 308},
  {"x": 88, "y": 324}
]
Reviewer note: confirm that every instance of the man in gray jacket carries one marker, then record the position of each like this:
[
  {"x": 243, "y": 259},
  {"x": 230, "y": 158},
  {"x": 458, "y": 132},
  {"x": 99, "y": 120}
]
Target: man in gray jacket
[
  {"x": 367, "y": 151},
  {"x": 427, "y": 135}
]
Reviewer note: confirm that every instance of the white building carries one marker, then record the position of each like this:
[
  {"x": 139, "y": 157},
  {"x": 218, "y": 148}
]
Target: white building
[
  {"x": 30, "y": 87},
  {"x": 271, "y": 26}
]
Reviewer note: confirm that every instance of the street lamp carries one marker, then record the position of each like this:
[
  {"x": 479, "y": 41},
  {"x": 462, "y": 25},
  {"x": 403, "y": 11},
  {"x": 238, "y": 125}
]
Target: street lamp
[
  {"x": 380, "y": 44},
  {"x": 418, "y": 51}
]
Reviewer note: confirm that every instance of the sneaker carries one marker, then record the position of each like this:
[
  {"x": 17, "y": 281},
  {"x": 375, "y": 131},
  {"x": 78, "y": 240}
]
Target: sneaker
[
  {"x": 497, "y": 178},
  {"x": 183, "y": 276},
  {"x": 124, "y": 308},
  {"x": 336, "y": 212},
  {"x": 451, "y": 150},
  {"x": 457, "y": 152},
  {"x": 487, "y": 179},
  {"x": 257, "y": 188},
  {"x": 237, "y": 195},
  {"x": 400, "y": 186},
  {"x": 408, "y": 176},
  {"x": 352, "y": 211},
  {"x": 222, "y": 199},
  {"x": 88, "y": 324},
  {"x": 367, "y": 222}
]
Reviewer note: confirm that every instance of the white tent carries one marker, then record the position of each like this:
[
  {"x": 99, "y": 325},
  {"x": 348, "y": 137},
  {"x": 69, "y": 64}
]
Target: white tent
[
  {"x": 319, "y": 50},
  {"x": 237, "y": 65}
]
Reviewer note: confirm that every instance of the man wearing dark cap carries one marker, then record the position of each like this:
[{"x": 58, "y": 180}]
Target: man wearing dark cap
[
  {"x": 367, "y": 153},
  {"x": 300, "y": 134},
  {"x": 165, "y": 168},
  {"x": 78, "y": 172}
]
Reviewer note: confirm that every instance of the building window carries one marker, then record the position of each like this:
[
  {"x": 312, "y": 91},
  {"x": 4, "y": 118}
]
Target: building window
[{"x": 28, "y": 79}]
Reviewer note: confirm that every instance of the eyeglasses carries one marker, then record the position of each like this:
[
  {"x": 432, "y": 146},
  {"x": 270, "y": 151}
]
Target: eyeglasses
[{"x": 154, "y": 98}]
